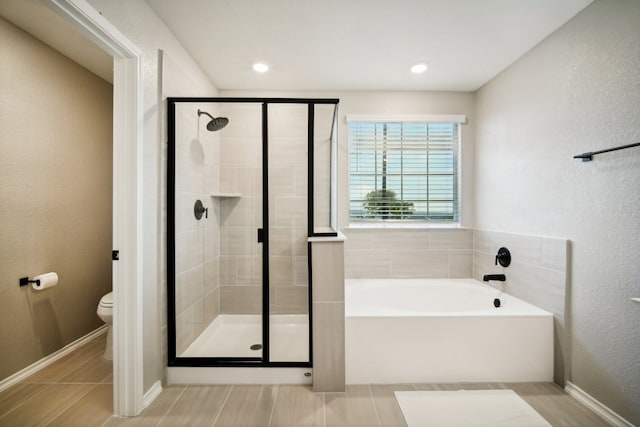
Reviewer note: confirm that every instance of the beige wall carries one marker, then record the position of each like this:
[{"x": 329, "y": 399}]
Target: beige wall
[
  {"x": 55, "y": 197},
  {"x": 577, "y": 91}
]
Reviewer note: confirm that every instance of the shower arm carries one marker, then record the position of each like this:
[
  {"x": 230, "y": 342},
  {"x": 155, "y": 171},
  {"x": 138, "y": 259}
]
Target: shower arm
[{"x": 200, "y": 112}]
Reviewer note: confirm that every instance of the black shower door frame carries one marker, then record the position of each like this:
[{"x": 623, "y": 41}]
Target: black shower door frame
[{"x": 264, "y": 361}]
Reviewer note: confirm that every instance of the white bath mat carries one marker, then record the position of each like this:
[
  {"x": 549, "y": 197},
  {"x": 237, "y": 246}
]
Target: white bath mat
[{"x": 466, "y": 408}]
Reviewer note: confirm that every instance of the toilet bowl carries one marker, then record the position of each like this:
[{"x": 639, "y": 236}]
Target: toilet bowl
[{"x": 105, "y": 312}]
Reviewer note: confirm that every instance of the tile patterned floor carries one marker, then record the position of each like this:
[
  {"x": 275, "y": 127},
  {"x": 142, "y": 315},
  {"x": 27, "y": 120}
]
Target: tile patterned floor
[{"x": 77, "y": 391}]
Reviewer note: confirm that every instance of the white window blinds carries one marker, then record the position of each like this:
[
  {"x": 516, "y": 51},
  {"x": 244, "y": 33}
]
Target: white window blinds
[{"x": 404, "y": 171}]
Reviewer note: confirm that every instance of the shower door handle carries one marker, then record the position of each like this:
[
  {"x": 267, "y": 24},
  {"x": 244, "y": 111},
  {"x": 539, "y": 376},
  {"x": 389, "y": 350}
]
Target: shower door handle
[{"x": 260, "y": 235}]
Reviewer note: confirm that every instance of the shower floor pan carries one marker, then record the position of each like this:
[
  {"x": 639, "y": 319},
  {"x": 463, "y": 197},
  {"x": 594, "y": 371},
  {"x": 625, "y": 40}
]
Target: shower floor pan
[{"x": 234, "y": 335}]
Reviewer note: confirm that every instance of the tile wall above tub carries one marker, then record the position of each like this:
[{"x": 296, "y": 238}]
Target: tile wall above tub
[
  {"x": 538, "y": 270},
  {"x": 538, "y": 274},
  {"x": 408, "y": 253}
]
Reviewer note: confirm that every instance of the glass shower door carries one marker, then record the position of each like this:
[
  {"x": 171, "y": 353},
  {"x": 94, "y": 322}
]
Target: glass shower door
[
  {"x": 288, "y": 258},
  {"x": 239, "y": 197},
  {"x": 218, "y": 210}
]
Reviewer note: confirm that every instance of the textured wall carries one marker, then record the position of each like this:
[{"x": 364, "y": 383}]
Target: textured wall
[
  {"x": 577, "y": 91},
  {"x": 55, "y": 197}
]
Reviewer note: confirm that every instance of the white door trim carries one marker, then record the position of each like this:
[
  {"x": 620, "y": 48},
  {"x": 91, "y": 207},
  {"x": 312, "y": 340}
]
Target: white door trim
[{"x": 127, "y": 199}]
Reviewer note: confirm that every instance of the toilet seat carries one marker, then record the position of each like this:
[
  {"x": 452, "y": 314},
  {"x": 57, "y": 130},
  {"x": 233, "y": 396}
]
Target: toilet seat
[{"x": 107, "y": 301}]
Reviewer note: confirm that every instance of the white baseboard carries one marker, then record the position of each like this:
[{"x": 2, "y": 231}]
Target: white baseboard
[
  {"x": 48, "y": 360},
  {"x": 597, "y": 407},
  {"x": 151, "y": 394}
]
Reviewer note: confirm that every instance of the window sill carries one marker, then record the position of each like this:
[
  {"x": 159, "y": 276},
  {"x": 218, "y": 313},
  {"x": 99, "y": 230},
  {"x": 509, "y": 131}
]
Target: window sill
[{"x": 404, "y": 226}]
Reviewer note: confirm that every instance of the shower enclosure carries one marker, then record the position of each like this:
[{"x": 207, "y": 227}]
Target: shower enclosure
[{"x": 249, "y": 181}]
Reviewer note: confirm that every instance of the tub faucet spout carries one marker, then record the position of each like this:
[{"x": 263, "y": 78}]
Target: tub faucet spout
[{"x": 499, "y": 277}]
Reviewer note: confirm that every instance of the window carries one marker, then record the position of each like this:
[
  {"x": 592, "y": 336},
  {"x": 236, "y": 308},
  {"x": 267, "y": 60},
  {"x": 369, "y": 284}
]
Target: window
[{"x": 404, "y": 171}]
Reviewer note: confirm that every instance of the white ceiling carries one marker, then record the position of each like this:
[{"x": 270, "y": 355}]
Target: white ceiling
[
  {"x": 360, "y": 44},
  {"x": 331, "y": 44}
]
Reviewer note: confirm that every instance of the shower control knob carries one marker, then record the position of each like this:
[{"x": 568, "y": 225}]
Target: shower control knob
[
  {"x": 199, "y": 209},
  {"x": 503, "y": 257}
]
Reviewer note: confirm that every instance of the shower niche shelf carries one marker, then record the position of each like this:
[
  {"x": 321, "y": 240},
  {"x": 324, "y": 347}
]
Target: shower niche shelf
[{"x": 222, "y": 195}]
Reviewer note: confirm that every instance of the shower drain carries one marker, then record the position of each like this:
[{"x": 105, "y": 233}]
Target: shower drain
[{"x": 256, "y": 347}]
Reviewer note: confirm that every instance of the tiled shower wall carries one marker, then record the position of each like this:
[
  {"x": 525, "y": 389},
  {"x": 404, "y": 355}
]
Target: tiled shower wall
[
  {"x": 288, "y": 261},
  {"x": 240, "y": 217},
  {"x": 197, "y": 258},
  {"x": 218, "y": 258}
]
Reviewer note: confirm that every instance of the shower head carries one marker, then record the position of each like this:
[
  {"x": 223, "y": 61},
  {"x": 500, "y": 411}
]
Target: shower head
[{"x": 216, "y": 123}]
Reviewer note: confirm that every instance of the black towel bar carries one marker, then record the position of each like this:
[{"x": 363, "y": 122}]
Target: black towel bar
[{"x": 587, "y": 157}]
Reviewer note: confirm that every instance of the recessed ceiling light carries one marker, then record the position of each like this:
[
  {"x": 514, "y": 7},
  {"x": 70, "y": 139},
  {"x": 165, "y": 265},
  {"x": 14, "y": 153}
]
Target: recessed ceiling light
[
  {"x": 260, "y": 67},
  {"x": 419, "y": 68}
]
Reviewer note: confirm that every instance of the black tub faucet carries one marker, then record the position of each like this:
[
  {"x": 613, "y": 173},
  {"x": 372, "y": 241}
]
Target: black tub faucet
[{"x": 498, "y": 277}]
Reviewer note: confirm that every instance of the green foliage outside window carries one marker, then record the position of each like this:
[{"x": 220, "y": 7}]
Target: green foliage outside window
[{"x": 385, "y": 204}]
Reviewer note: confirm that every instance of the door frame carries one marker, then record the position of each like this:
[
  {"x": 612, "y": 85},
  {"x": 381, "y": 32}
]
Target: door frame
[{"x": 127, "y": 198}]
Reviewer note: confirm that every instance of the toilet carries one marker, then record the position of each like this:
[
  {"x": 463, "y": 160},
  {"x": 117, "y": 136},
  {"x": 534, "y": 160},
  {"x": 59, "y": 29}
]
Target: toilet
[{"x": 105, "y": 312}]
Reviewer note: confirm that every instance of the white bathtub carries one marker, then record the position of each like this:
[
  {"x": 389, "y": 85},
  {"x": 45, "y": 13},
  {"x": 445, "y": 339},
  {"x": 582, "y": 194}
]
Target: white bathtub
[{"x": 443, "y": 330}]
